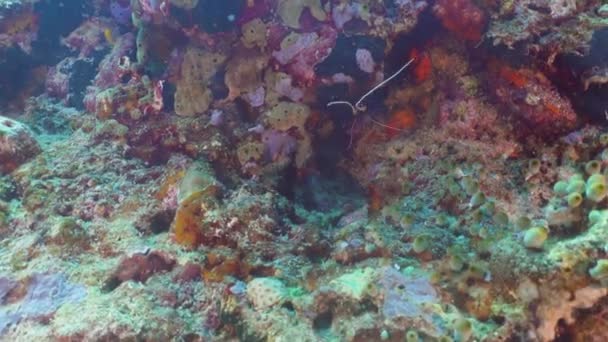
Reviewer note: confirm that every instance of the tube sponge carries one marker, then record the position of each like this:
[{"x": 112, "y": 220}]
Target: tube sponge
[
  {"x": 593, "y": 167},
  {"x": 600, "y": 270},
  {"x": 596, "y": 192},
  {"x": 469, "y": 185},
  {"x": 594, "y": 217},
  {"x": 574, "y": 200},
  {"x": 477, "y": 199},
  {"x": 501, "y": 218},
  {"x": 523, "y": 222},
  {"x": 596, "y": 178},
  {"x": 535, "y": 237},
  {"x": 421, "y": 243},
  {"x": 560, "y": 188},
  {"x": 603, "y": 139},
  {"x": 575, "y": 185},
  {"x": 412, "y": 336},
  {"x": 462, "y": 329}
]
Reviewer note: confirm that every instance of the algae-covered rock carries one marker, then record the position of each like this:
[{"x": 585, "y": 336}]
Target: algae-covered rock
[
  {"x": 354, "y": 285},
  {"x": 264, "y": 293},
  {"x": 17, "y": 144}
]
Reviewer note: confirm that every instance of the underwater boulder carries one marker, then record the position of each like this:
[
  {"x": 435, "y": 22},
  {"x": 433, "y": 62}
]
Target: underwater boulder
[{"x": 17, "y": 144}]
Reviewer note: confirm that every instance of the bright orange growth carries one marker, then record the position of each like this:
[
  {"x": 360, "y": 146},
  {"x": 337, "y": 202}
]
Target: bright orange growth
[
  {"x": 105, "y": 108},
  {"x": 422, "y": 66},
  {"x": 552, "y": 108},
  {"x": 400, "y": 119},
  {"x": 187, "y": 224},
  {"x": 517, "y": 77},
  {"x": 229, "y": 267},
  {"x": 375, "y": 199}
]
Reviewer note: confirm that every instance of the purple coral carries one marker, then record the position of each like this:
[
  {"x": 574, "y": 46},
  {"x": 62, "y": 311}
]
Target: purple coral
[
  {"x": 406, "y": 296},
  {"x": 45, "y": 294},
  {"x": 120, "y": 13},
  {"x": 278, "y": 145},
  {"x": 6, "y": 285},
  {"x": 365, "y": 61}
]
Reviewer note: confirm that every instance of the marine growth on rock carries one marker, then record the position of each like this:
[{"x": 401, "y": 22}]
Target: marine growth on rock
[{"x": 304, "y": 170}]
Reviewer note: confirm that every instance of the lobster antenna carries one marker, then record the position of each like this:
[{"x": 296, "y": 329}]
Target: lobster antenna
[
  {"x": 380, "y": 85},
  {"x": 358, "y": 107}
]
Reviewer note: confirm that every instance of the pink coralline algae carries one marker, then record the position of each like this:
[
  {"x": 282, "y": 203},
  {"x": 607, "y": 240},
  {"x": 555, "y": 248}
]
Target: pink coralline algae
[
  {"x": 278, "y": 145},
  {"x": 533, "y": 99},
  {"x": 405, "y": 297},
  {"x": 285, "y": 87},
  {"x": 343, "y": 14},
  {"x": 6, "y": 285},
  {"x": 113, "y": 67},
  {"x": 462, "y": 17},
  {"x": 140, "y": 267},
  {"x": 17, "y": 144},
  {"x": 111, "y": 70},
  {"x": 57, "y": 78},
  {"x": 89, "y": 37},
  {"x": 154, "y": 8},
  {"x": 157, "y": 104},
  {"x": 461, "y": 118},
  {"x": 257, "y": 9},
  {"x": 308, "y": 50},
  {"x": 365, "y": 61},
  {"x": 256, "y": 98},
  {"x": 220, "y": 185}
]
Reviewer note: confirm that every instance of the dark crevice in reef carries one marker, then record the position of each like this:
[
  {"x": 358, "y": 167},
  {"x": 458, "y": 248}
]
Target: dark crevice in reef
[
  {"x": 47, "y": 48},
  {"x": 427, "y": 28},
  {"x": 329, "y": 192},
  {"x": 15, "y": 68},
  {"x": 584, "y": 79},
  {"x": 342, "y": 58},
  {"x": 211, "y": 16},
  {"x": 330, "y": 149}
]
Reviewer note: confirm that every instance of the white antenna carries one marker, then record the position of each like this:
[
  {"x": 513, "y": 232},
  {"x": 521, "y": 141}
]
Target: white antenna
[{"x": 358, "y": 106}]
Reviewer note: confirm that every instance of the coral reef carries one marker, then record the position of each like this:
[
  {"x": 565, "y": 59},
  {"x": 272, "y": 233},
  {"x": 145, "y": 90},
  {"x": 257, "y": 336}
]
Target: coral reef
[
  {"x": 192, "y": 95},
  {"x": 260, "y": 170},
  {"x": 17, "y": 144}
]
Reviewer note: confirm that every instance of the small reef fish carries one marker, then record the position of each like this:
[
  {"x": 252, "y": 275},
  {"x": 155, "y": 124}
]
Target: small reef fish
[{"x": 108, "y": 35}]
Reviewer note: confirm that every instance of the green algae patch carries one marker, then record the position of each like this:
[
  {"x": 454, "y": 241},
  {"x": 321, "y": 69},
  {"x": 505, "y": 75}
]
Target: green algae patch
[{"x": 354, "y": 284}]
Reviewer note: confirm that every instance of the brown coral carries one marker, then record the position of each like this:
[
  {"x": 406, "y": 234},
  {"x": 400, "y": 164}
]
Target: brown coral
[
  {"x": 286, "y": 115},
  {"x": 244, "y": 72},
  {"x": 254, "y": 34},
  {"x": 193, "y": 95},
  {"x": 291, "y": 10}
]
